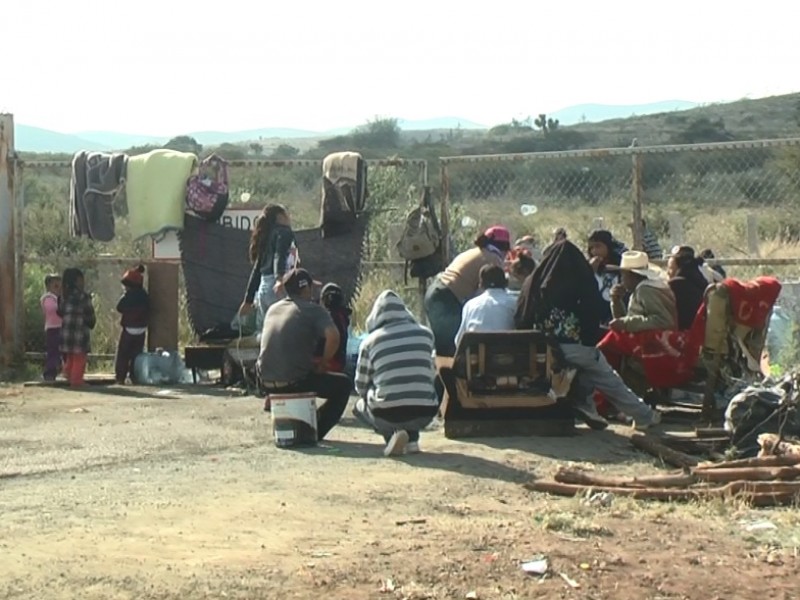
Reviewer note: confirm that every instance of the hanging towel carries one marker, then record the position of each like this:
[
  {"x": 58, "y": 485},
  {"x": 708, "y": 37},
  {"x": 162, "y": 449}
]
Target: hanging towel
[
  {"x": 156, "y": 191},
  {"x": 96, "y": 179}
]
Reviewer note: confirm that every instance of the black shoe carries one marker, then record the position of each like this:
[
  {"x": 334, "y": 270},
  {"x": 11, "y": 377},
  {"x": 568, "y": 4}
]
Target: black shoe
[{"x": 591, "y": 417}]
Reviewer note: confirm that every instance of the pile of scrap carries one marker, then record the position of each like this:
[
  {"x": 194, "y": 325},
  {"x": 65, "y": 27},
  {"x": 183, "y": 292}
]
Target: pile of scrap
[{"x": 768, "y": 480}]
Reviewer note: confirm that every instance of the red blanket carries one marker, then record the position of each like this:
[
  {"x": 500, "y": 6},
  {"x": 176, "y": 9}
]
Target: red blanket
[
  {"x": 751, "y": 301},
  {"x": 668, "y": 357}
]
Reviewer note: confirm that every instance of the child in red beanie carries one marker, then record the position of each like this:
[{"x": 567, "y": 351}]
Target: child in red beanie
[{"x": 134, "y": 306}]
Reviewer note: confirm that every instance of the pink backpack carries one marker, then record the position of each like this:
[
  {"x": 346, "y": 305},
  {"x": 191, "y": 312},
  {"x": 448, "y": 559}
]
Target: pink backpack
[{"x": 207, "y": 192}]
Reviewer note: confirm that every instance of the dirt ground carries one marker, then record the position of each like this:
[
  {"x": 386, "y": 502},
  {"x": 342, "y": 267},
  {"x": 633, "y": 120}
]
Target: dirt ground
[{"x": 144, "y": 493}]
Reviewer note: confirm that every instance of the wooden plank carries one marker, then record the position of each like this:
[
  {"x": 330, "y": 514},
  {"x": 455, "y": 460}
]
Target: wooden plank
[
  {"x": 500, "y": 400},
  {"x": 162, "y": 285}
]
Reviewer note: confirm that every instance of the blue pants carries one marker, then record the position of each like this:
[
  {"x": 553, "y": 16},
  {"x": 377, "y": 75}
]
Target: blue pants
[
  {"x": 265, "y": 297},
  {"x": 443, "y": 310}
]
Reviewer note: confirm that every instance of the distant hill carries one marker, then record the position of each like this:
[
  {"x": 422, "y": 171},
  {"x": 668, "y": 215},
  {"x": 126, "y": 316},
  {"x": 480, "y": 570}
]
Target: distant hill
[
  {"x": 441, "y": 123},
  {"x": 593, "y": 113},
  {"x": 760, "y": 118},
  {"x": 606, "y": 126},
  {"x": 35, "y": 139}
]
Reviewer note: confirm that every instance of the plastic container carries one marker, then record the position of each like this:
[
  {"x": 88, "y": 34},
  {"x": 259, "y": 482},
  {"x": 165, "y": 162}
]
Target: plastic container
[
  {"x": 160, "y": 368},
  {"x": 294, "y": 419}
]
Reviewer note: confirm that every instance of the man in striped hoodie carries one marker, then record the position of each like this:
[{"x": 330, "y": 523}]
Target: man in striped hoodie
[{"x": 395, "y": 376}]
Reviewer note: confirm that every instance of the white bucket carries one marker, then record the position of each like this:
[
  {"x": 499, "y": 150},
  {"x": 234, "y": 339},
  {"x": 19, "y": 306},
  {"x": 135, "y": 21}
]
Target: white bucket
[{"x": 294, "y": 419}]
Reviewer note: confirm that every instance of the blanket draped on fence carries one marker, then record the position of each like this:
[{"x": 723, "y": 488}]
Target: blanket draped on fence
[
  {"x": 216, "y": 268},
  {"x": 752, "y": 301}
]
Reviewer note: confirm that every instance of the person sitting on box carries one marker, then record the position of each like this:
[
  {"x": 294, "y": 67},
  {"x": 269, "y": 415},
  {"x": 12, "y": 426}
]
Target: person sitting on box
[{"x": 286, "y": 362}]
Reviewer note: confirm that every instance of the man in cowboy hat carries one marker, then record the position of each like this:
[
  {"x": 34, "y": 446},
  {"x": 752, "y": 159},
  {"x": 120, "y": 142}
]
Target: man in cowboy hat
[{"x": 652, "y": 303}]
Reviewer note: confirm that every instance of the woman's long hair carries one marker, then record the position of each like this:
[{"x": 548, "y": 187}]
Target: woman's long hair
[
  {"x": 264, "y": 226},
  {"x": 69, "y": 281}
]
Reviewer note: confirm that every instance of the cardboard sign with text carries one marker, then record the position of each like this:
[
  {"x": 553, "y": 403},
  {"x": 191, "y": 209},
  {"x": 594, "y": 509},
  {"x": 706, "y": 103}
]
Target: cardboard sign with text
[{"x": 168, "y": 248}]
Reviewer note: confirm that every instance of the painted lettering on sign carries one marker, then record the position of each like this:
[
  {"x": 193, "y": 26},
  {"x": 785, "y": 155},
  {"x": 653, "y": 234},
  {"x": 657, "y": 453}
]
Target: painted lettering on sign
[
  {"x": 168, "y": 248},
  {"x": 238, "y": 220}
]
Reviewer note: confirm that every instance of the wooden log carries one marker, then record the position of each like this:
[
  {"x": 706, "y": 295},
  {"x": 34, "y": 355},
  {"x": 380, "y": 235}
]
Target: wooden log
[
  {"x": 711, "y": 432},
  {"x": 655, "y": 447},
  {"x": 758, "y": 461},
  {"x": 580, "y": 477},
  {"x": 748, "y": 474},
  {"x": 760, "y": 487},
  {"x": 756, "y": 493},
  {"x": 567, "y": 489}
]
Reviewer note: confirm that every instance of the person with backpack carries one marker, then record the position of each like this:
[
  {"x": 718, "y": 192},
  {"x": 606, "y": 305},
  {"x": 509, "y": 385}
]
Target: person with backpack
[
  {"x": 460, "y": 281},
  {"x": 273, "y": 252}
]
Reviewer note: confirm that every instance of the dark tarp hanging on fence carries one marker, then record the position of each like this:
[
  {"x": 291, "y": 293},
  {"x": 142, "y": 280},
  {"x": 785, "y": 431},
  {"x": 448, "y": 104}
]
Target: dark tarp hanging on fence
[{"x": 216, "y": 268}]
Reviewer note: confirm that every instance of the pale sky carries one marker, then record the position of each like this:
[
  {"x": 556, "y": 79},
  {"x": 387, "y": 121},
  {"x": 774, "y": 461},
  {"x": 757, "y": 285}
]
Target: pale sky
[{"x": 167, "y": 67}]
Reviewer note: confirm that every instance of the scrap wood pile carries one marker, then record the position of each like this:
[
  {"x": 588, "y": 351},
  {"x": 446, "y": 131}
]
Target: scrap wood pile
[{"x": 770, "y": 479}]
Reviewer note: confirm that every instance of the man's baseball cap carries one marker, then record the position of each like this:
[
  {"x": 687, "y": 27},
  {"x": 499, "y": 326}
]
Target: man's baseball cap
[{"x": 295, "y": 280}]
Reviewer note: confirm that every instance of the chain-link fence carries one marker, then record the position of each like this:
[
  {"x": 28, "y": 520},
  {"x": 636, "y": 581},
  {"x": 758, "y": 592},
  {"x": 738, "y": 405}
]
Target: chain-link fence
[
  {"x": 48, "y": 246},
  {"x": 697, "y": 194}
]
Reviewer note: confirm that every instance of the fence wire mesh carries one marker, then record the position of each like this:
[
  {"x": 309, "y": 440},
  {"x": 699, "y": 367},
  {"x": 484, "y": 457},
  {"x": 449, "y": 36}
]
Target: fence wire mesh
[{"x": 696, "y": 194}]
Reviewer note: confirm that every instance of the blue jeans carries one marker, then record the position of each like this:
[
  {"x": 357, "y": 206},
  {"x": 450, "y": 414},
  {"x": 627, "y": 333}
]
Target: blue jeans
[
  {"x": 594, "y": 373},
  {"x": 443, "y": 310},
  {"x": 265, "y": 297}
]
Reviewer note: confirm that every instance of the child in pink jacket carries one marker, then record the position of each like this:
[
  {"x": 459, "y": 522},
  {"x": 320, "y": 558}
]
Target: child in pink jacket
[{"x": 52, "y": 327}]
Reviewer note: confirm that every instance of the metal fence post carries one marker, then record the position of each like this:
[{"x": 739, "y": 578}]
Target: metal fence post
[
  {"x": 638, "y": 232},
  {"x": 444, "y": 214},
  {"x": 752, "y": 236},
  {"x": 10, "y": 285}
]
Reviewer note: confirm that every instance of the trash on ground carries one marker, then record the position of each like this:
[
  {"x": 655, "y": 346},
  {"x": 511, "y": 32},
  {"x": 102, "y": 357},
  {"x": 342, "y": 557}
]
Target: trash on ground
[{"x": 535, "y": 567}]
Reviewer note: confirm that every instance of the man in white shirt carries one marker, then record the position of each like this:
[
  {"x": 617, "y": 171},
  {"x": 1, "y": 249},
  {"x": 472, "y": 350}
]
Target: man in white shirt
[{"x": 494, "y": 309}]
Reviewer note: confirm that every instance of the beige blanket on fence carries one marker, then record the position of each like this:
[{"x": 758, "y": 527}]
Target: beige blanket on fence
[{"x": 156, "y": 191}]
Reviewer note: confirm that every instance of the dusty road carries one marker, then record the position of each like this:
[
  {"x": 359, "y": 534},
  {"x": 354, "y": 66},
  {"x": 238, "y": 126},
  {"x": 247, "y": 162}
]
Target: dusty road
[{"x": 147, "y": 494}]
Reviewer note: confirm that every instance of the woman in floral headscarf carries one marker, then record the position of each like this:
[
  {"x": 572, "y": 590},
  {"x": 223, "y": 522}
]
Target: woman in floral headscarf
[{"x": 561, "y": 298}]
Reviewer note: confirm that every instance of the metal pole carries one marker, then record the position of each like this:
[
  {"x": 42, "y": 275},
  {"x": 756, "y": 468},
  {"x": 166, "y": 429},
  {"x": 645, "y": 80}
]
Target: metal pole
[
  {"x": 9, "y": 304},
  {"x": 19, "y": 237},
  {"x": 444, "y": 210},
  {"x": 638, "y": 230}
]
